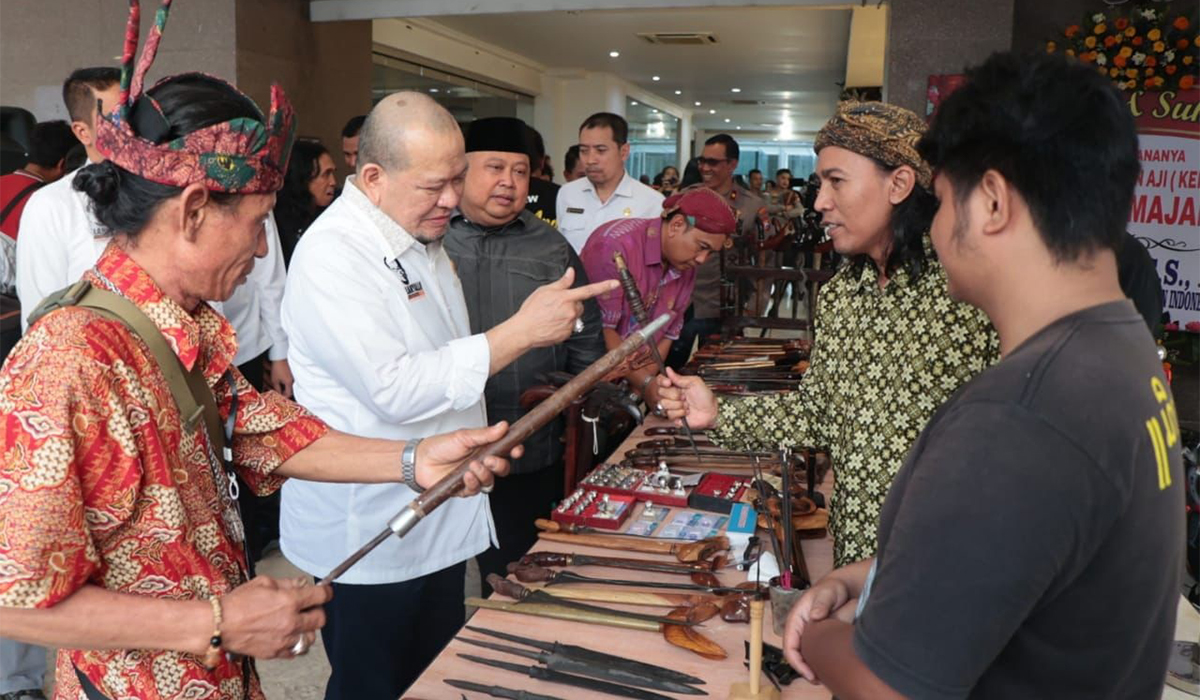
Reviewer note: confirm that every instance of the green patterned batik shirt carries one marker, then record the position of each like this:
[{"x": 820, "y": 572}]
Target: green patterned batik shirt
[{"x": 883, "y": 361}]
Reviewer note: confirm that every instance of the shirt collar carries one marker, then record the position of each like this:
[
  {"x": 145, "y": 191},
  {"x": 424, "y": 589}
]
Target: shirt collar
[
  {"x": 188, "y": 334},
  {"x": 624, "y": 187},
  {"x": 520, "y": 222},
  {"x": 398, "y": 239},
  {"x": 868, "y": 278}
]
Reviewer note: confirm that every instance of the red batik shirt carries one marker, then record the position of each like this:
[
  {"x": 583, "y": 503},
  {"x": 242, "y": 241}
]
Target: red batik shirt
[{"x": 100, "y": 484}]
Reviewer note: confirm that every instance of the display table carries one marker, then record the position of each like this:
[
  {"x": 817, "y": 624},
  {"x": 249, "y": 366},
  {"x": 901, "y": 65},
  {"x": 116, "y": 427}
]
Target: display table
[{"x": 644, "y": 646}]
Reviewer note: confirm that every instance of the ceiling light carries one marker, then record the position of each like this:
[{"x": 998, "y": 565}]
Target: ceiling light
[
  {"x": 614, "y": 54},
  {"x": 697, "y": 103},
  {"x": 655, "y": 111},
  {"x": 655, "y": 78},
  {"x": 712, "y": 111},
  {"x": 679, "y": 92},
  {"x": 633, "y": 103},
  {"x": 726, "y": 120},
  {"x": 735, "y": 89},
  {"x": 738, "y": 128}
]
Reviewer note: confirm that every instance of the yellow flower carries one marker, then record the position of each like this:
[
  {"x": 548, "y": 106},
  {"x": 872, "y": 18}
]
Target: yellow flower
[
  {"x": 1051, "y": 46},
  {"x": 1113, "y": 72},
  {"x": 1100, "y": 28},
  {"x": 1125, "y": 51},
  {"x": 1130, "y": 84},
  {"x": 1154, "y": 34},
  {"x": 1130, "y": 31},
  {"x": 1070, "y": 52},
  {"x": 1159, "y": 46},
  {"x": 1158, "y": 81},
  {"x": 1131, "y": 73},
  {"x": 1187, "y": 60},
  {"x": 1090, "y": 42}
]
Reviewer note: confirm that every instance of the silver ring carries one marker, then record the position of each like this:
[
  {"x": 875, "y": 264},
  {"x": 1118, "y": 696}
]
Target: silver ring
[
  {"x": 487, "y": 489},
  {"x": 299, "y": 648},
  {"x": 659, "y": 410},
  {"x": 579, "y": 325}
]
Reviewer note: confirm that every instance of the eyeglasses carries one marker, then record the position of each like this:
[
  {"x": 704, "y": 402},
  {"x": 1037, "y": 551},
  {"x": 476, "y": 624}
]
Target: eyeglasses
[{"x": 711, "y": 162}]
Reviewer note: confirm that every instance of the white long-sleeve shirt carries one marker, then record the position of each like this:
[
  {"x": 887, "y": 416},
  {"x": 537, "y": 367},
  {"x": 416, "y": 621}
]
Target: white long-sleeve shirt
[
  {"x": 380, "y": 346},
  {"x": 254, "y": 307},
  {"x": 59, "y": 241}
]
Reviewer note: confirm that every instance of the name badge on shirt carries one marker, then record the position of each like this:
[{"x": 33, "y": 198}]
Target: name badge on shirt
[
  {"x": 414, "y": 289},
  {"x": 574, "y": 210}
]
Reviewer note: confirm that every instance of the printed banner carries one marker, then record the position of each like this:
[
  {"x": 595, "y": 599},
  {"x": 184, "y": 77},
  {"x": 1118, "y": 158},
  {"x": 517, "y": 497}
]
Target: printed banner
[{"x": 1166, "y": 205}]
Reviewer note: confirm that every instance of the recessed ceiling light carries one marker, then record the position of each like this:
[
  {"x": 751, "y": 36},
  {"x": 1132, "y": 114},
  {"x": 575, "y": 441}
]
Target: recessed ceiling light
[
  {"x": 633, "y": 103},
  {"x": 655, "y": 111},
  {"x": 712, "y": 111},
  {"x": 738, "y": 128},
  {"x": 679, "y": 92},
  {"x": 727, "y": 120},
  {"x": 614, "y": 54},
  {"x": 656, "y": 78},
  {"x": 735, "y": 89},
  {"x": 433, "y": 89},
  {"x": 697, "y": 103}
]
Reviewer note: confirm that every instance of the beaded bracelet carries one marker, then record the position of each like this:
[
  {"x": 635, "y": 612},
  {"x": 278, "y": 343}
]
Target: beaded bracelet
[{"x": 212, "y": 657}]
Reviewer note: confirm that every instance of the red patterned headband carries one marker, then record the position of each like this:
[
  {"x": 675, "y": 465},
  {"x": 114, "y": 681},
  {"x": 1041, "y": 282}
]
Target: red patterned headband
[{"x": 243, "y": 156}]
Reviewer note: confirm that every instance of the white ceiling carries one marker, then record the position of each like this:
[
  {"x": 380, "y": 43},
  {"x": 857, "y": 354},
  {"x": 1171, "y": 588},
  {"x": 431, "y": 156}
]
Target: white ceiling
[{"x": 791, "y": 59}]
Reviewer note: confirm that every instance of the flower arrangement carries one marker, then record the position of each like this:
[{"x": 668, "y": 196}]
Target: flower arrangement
[{"x": 1146, "y": 48}]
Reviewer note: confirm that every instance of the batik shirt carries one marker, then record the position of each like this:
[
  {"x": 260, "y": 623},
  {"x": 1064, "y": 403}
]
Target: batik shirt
[
  {"x": 100, "y": 484},
  {"x": 883, "y": 361}
]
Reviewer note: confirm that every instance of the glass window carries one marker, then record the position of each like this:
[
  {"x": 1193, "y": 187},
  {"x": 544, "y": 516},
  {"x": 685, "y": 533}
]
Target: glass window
[
  {"x": 653, "y": 140},
  {"x": 465, "y": 98}
]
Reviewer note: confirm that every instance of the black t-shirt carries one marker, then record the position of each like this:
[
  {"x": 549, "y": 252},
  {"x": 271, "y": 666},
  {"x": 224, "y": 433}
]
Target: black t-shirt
[
  {"x": 543, "y": 200},
  {"x": 1139, "y": 281},
  {"x": 1030, "y": 546}
]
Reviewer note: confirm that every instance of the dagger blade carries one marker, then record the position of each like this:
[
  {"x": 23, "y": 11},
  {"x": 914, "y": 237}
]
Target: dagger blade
[
  {"x": 536, "y": 596},
  {"x": 545, "y": 674},
  {"x": 561, "y": 577},
  {"x": 496, "y": 691},
  {"x": 563, "y": 664},
  {"x": 591, "y": 655}
]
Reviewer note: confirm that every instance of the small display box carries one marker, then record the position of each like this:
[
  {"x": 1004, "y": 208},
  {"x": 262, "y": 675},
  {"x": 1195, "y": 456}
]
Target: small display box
[
  {"x": 659, "y": 487},
  {"x": 590, "y": 508},
  {"x": 716, "y": 493}
]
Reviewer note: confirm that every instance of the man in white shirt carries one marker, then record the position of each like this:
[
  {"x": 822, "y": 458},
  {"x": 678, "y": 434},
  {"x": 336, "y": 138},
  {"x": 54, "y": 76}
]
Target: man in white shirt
[
  {"x": 59, "y": 236},
  {"x": 607, "y": 192},
  {"x": 380, "y": 344}
]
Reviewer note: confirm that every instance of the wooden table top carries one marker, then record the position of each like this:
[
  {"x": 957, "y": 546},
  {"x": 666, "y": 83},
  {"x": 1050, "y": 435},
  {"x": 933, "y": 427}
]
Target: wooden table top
[{"x": 644, "y": 646}]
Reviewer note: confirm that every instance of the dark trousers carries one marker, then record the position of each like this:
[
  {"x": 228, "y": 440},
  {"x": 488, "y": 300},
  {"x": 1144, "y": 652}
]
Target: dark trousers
[
  {"x": 518, "y": 500},
  {"x": 380, "y": 637},
  {"x": 260, "y": 514},
  {"x": 681, "y": 349}
]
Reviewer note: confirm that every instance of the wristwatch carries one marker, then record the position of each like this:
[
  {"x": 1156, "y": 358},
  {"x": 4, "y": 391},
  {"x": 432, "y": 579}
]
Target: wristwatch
[{"x": 408, "y": 465}]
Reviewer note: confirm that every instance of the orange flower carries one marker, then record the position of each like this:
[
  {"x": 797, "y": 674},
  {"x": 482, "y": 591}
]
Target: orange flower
[
  {"x": 1159, "y": 47},
  {"x": 1070, "y": 52},
  {"x": 1072, "y": 30},
  {"x": 1136, "y": 41},
  {"x": 1154, "y": 34},
  {"x": 1086, "y": 56},
  {"x": 1108, "y": 41},
  {"x": 1121, "y": 23},
  {"x": 1051, "y": 46},
  {"x": 1100, "y": 28},
  {"x": 1187, "y": 60},
  {"x": 1125, "y": 52},
  {"x": 1149, "y": 72},
  {"x": 1130, "y": 31},
  {"x": 1113, "y": 72},
  {"x": 1149, "y": 83},
  {"x": 1180, "y": 23},
  {"x": 1170, "y": 69},
  {"x": 1131, "y": 84},
  {"x": 1119, "y": 61},
  {"x": 1181, "y": 44},
  {"x": 1131, "y": 73},
  {"x": 1090, "y": 42},
  {"x": 1151, "y": 61},
  {"x": 1186, "y": 82},
  {"x": 1158, "y": 81}
]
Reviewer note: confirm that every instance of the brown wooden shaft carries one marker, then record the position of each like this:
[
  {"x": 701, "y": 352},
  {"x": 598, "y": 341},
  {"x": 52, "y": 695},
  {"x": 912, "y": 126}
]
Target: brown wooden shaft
[{"x": 537, "y": 417}]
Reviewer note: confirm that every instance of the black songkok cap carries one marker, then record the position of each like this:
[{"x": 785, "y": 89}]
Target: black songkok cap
[{"x": 506, "y": 134}]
